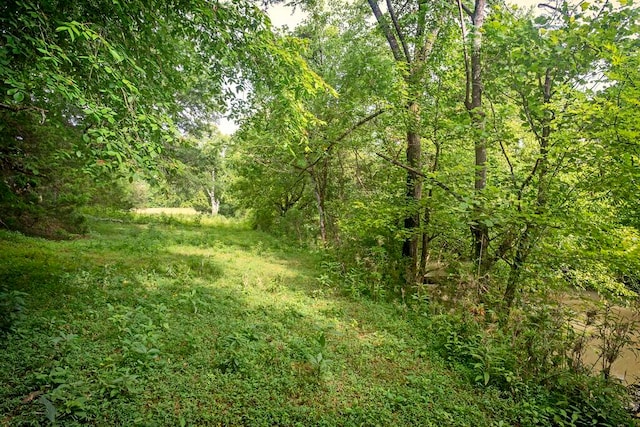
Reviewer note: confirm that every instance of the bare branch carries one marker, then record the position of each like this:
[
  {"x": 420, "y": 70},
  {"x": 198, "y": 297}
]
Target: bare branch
[
  {"x": 394, "y": 20},
  {"x": 466, "y": 9},
  {"x": 358, "y": 124},
  {"x": 16, "y": 108},
  {"x": 554, "y": 8},
  {"x": 506, "y": 156},
  {"x": 391, "y": 39},
  {"x": 527, "y": 113},
  {"x": 342, "y": 136},
  {"x": 504, "y": 151},
  {"x": 467, "y": 67},
  {"x": 527, "y": 180}
]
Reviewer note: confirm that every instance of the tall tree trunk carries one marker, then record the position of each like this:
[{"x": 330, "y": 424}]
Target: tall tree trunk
[
  {"x": 473, "y": 104},
  {"x": 435, "y": 164},
  {"x": 410, "y": 52},
  {"x": 479, "y": 230},
  {"x": 215, "y": 203},
  {"x": 426, "y": 240},
  {"x": 401, "y": 54},
  {"x": 414, "y": 195}
]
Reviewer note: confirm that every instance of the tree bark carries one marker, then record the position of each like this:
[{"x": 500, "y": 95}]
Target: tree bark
[
  {"x": 402, "y": 54},
  {"x": 215, "y": 203},
  {"x": 473, "y": 104},
  {"x": 319, "y": 194},
  {"x": 414, "y": 195}
]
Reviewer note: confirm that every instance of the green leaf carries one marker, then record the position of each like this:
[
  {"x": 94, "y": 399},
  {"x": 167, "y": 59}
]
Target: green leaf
[
  {"x": 49, "y": 409},
  {"x": 18, "y": 96},
  {"x": 116, "y": 55}
]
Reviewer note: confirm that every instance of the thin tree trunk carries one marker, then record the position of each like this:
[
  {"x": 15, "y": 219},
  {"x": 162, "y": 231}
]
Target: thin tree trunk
[
  {"x": 426, "y": 240},
  {"x": 522, "y": 251},
  {"x": 542, "y": 168},
  {"x": 399, "y": 44},
  {"x": 215, "y": 203},
  {"x": 319, "y": 195}
]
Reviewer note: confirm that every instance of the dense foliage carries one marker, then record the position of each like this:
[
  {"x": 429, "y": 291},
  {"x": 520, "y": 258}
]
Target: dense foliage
[
  {"x": 101, "y": 89},
  {"x": 462, "y": 168},
  {"x": 505, "y": 146},
  {"x": 200, "y": 321}
]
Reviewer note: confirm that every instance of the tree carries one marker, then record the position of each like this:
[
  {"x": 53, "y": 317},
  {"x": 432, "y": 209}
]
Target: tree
[
  {"x": 411, "y": 46},
  {"x": 473, "y": 103},
  {"x": 317, "y": 167},
  {"x": 129, "y": 75},
  {"x": 539, "y": 136},
  {"x": 546, "y": 79},
  {"x": 196, "y": 173}
]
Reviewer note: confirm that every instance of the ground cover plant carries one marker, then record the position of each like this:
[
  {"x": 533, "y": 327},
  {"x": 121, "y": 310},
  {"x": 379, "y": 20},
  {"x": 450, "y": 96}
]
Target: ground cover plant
[
  {"x": 196, "y": 321},
  {"x": 166, "y": 322}
]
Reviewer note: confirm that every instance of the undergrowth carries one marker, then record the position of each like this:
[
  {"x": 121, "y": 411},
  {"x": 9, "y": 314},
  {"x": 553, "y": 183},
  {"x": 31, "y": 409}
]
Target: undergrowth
[{"x": 192, "y": 321}]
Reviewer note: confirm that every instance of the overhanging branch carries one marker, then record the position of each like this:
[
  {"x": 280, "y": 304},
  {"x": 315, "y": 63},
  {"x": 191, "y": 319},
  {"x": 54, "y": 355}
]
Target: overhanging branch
[
  {"x": 17, "y": 108},
  {"x": 434, "y": 181},
  {"x": 340, "y": 137}
]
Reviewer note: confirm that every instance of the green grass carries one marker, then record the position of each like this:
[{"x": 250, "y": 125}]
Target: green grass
[{"x": 184, "y": 321}]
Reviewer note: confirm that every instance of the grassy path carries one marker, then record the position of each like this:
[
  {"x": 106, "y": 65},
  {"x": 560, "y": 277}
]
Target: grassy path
[{"x": 173, "y": 322}]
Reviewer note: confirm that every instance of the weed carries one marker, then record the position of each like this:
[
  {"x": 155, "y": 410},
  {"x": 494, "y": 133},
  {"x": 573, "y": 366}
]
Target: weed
[
  {"x": 234, "y": 348},
  {"x": 192, "y": 299},
  {"x": 12, "y": 305},
  {"x": 615, "y": 333},
  {"x": 317, "y": 358},
  {"x": 118, "y": 383}
]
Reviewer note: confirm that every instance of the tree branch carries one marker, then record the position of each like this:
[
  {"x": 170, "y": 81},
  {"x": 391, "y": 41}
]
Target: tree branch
[
  {"x": 391, "y": 39},
  {"x": 17, "y": 108},
  {"x": 394, "y": 20},
  {"x": 504, "y": 151},
  {"x": 467, "y": 67},
  {"x": 466, "y": 9},
  {"x": 417, "y": 172},
  {"x": 555, "y": 9},
  {"x": 427, "y": 47},
  {"x": 506, "y": 156},
  {"x": 342, "y": 136},
  {"x": 358, "y": 124}
]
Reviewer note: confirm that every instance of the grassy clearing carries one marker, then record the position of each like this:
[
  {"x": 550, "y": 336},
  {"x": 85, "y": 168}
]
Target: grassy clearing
[
  {"x": 178, "y": 322},
  {"x": 185, "y": 321}
]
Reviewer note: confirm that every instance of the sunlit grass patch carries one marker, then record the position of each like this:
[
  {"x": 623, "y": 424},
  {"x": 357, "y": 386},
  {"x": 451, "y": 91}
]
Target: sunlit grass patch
[{"x": 166, "y": 323}]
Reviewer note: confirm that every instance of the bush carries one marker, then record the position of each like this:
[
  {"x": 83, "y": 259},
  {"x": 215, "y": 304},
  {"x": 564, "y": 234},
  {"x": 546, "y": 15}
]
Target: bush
[{"x": 529, "y": 363}]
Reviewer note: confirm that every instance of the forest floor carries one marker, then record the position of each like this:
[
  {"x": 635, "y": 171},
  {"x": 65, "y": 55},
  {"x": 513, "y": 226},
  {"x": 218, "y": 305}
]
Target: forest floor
[
  {"x": 159, "y": 320},
  {"x": 165, "y": 321}
]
